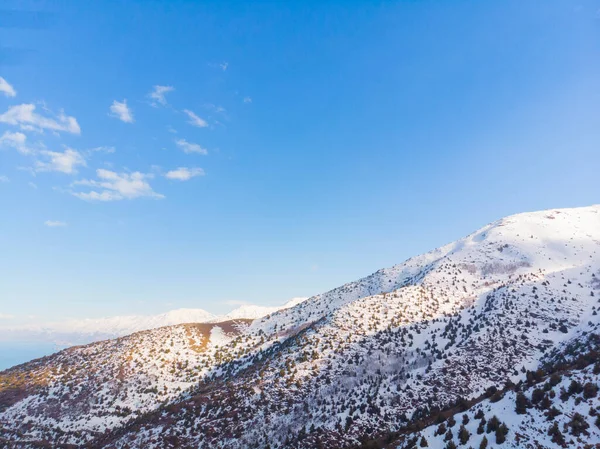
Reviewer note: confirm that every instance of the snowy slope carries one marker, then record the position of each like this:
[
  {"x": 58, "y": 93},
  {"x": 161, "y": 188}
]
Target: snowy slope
[
  {"x": 365, "y": 359},
  {"x": 560, "y": 409},
  {"x": 532, "y": 428},
  {"x": 98, "y": 386}
]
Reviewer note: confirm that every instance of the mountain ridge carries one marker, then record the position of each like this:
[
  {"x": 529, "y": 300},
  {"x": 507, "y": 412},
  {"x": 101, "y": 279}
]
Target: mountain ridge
[{"x": 364, "y": 359}]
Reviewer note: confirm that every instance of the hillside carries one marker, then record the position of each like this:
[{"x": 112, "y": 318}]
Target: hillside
[
  {"x": 364, "y": 361},
  {"x": 556, "y": 406}
]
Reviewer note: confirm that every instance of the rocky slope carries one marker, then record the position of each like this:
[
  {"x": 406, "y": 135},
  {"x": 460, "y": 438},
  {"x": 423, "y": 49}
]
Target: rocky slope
[{"x": 360, "y": 364}]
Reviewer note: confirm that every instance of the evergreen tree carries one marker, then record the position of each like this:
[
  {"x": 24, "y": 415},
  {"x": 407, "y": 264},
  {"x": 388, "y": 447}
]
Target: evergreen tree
[
  {"x": 545, "y": 403},
  {"x": 537, "y": 395},
  {"x": 575, "y": 387},
  {"x": 521, "y": 404},
  {"x": 499, "y": 437},
  {"x": 578, "y": 425},
  {"x": 451, "y": 421},
  {"x": 463, "y": 434},
  {"x": 493, "y": 424},
  {"x": 451, "y": 445},
  {"x": 501, "y": 432},
  {"x": 555, "y": 379},
  {"x": 484, "y": 443},
  {"x": 424, "y": 442},
  {"x": 590, "y": 390},
  {"x": 556, "y": 434},
  {"x": 481, "y": 427}
]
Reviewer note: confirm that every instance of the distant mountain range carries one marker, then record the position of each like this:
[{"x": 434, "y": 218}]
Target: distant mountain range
[
  {"x": 83, "y": 331},
  {"x": 490, "y": 341}
]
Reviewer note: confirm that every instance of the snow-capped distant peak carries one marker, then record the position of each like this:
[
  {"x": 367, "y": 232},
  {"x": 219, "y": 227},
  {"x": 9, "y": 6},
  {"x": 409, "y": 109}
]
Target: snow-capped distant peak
[
  {"x": 82, "y": 331},
  {"x": 253, "y": 312},
  {"x": 250, "y": 311},
  {"x": 294, "y": 302}
]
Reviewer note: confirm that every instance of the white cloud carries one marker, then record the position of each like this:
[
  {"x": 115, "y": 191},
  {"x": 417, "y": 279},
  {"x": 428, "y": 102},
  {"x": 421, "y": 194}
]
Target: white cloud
[
  {"x": 219, "y": 65},
  {"x": 158, "y": 94},
  {"x": 195, "y": 120},
  {"x": 247, "y": 100},
  {"x": 16, "y": 141},
  {"x": 184, "y": 174},
  {"x": 121, "y": 111},
  {"x": 4, "y": 178},
  {"x": 105, "y": 195},
  {"x": 55, "y": 224},
  {"x": 6, "y": 88},
  {"x": 217, "y": 109},
  {"x": 102, "y": 149},
  {"x": 65, "y": 162},
  {"x": 189, "y": 147},
  {"x": 32, "y": 185},
  {"x": 117, "y": 186},
  {"x": 6, "y": 316},
  {"x": 24, "y": 116}
]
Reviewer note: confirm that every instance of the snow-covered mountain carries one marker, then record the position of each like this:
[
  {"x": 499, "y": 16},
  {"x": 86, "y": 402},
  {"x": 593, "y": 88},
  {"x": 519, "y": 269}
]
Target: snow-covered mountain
[
  {"x": 464, "y": 329},
  {"x": 249, "y": 311},
  {"x": 83, "y": 331}
]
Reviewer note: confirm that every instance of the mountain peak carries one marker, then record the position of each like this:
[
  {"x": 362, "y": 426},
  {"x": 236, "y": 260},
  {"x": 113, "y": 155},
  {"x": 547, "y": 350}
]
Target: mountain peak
[{"x": 373, "y": 359}]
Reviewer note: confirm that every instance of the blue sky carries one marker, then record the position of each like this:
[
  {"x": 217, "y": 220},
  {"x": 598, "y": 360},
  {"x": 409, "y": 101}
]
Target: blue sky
[{"x": 340, "y": 137}]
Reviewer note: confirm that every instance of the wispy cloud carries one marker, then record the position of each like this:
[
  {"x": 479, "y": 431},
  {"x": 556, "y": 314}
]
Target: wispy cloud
[
  {"x": 216, "y": 109},
  {"x": 184, "y": 174},
  {"x": 102, "y": 149},
  {"x": 195, "y": 120},
  {"x": 33, "y": 185},
  {"x": 6, "y": 316},
  {"x": 4, "y": 178},
  {"x": 15, "y": 140},
  {"x": 6, "y": 88},
  {"x": 55, "y": 224},
  {"x": 113, "y": 186},
  {"x": 219, "y": 65},
  {"x": 247, "y": 100},
  {"x": 64, "y": 162},
  {"x": 121, "y": 111},
  {"x": 189, "y": 147},
  {"x": 158, "y": 95},
  {"x": 26, "y": 118}
]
